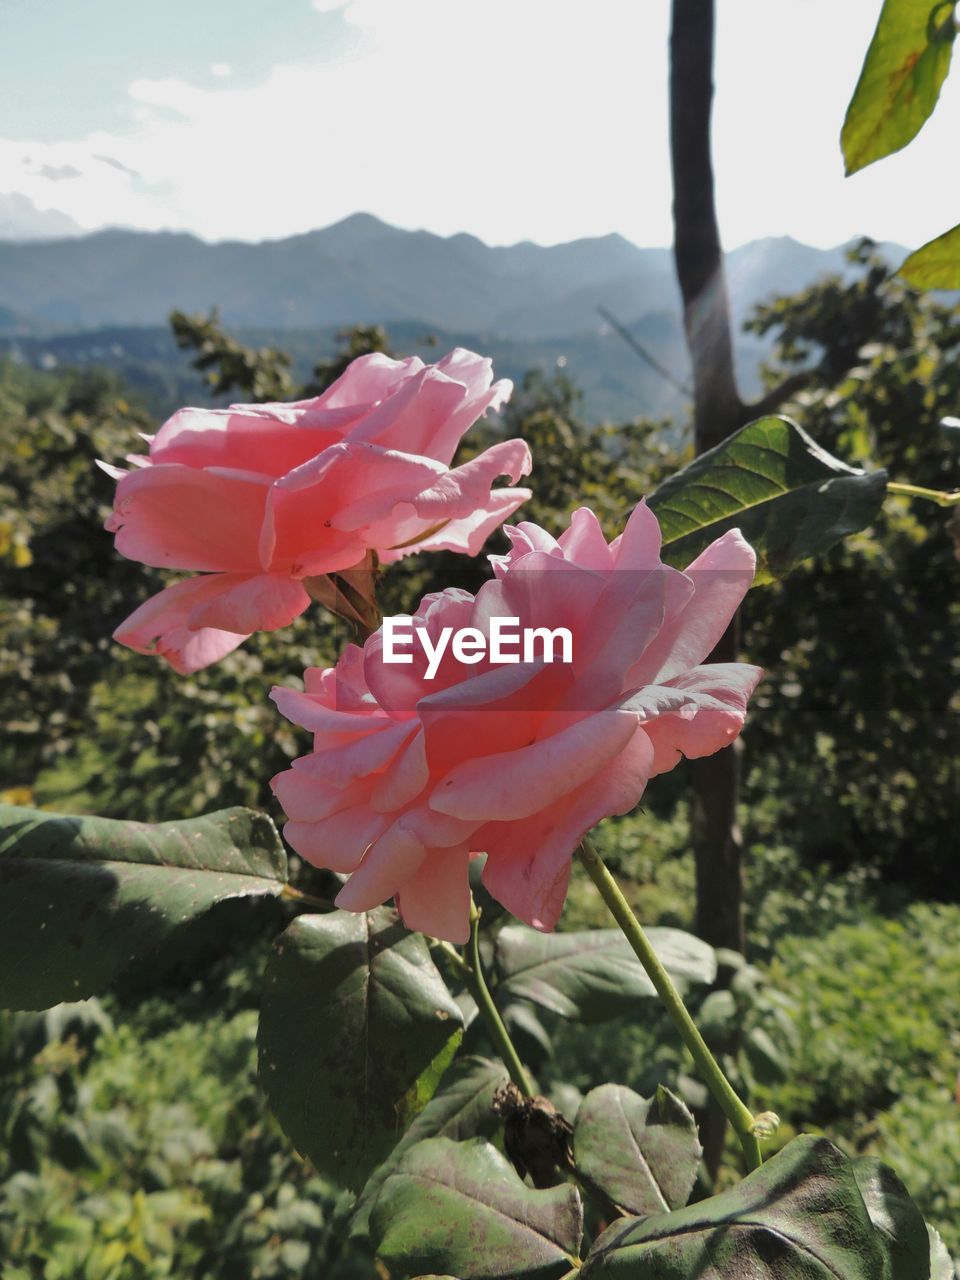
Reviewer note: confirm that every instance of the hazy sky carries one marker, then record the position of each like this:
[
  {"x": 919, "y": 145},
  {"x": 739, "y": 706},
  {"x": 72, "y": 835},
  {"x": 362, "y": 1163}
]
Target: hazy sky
[{"x": 512, "y": 119}]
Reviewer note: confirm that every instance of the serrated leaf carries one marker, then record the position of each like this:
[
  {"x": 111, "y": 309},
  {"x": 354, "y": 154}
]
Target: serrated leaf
[
  {"x": 356, "y": 1029},
  {"x": 460, "y": 1206},
  {"x": 790, "y": 498},
  {"x": 82, "y": 899},
  {"x": 906, "y": 64},
  {"x": 935, "y": 265},
  {"x": 592, "y": 975},
  {"x": 461, "y": 1109},
  {"x": 799, "y": 1217},
  {"x": 642, "y": 1153},
  {"x": 896, "y": 1218}
]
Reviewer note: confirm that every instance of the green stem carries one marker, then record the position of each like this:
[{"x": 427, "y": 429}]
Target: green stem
[
  {"x": 453, "y": 955},
  {"x": 306, "y": 899},
  {"x": 939, "y": 496},
  {"x": 476, "y": 983},
  {"x": 736, "y": 1111}
]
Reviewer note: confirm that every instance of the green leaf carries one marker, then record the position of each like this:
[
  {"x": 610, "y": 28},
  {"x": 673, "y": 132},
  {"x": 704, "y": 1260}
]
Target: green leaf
[
  {"x": 461, "y": 1109},
  {"x": 896, "y": 1218},
  {"x": 907, "y": 62},
  {"x": 935, "y": 265},
  {"x": 459, "y": 1206},
  {"x": 800, "y": 1217},
  {"x": 592, "y": 975},
  {"x": 356, "y": 1029},
  {"x": 83, "y": 899},
  {"x": 642, "y": 1153},
  {"x": 530, "y": 1037},
  {"x": 765, "y": 1057},
  {"x": 718, "y": 1015},
  {"x": 790, "y": 498}
]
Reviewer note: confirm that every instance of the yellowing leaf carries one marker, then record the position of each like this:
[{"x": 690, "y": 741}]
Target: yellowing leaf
[
  {"x": 936, "y": 265},
  {"x": 907, "y": 62}
]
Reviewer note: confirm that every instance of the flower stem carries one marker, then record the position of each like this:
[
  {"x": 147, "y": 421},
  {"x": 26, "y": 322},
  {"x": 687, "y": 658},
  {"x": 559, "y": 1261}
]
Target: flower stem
[
  {"x": 476, "y": 983},
  {"x": 736, "y": 1111},
  {"x": 940, "y": 496},
  {"x": 306, "y": 899}
]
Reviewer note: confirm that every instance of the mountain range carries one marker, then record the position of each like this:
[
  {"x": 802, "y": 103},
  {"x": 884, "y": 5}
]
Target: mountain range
[{"x": 364, "y": 271}]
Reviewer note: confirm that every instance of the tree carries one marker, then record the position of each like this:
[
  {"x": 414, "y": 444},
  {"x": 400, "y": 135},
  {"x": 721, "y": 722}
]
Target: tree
[{"x": 718, "y": 411}]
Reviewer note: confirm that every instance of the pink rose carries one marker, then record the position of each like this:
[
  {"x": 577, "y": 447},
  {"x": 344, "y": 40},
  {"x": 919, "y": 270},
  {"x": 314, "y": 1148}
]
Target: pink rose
[
  {"x": 258, "y": 498},
  {"x": 409, "y": 775}
]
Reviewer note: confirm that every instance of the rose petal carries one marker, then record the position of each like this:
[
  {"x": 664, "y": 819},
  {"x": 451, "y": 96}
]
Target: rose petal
[
  {"x": 338, "y": 842},
  {"x": 161, "y": 624},
  {"x": 386, "y": 867},
  {"x": 528, "y": 863},
  {"x": 436, "y": 898},
  {"x": 174, "y": 517},
  {"x": 517, "y": 784},
  {"x": 717, "y": 696},
  {"x": 721, "y": 577},
  {"x": 467, "y": 534},
  {"x": 262, "y": 603}
]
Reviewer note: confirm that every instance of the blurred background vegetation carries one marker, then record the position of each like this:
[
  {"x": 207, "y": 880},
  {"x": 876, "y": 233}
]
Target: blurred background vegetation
[{"x": 134, "y": 1141}]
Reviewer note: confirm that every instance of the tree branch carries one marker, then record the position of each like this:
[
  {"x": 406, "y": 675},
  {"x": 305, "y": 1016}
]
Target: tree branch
[{"x": 778, "y": 396}]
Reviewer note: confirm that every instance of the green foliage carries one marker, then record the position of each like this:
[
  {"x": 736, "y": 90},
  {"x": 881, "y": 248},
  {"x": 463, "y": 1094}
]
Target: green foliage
[
  {"x": 863, "y": 1037},
  {"x": 787, "y": 495},
  {"x": 607, "y": 467},
  {"x": 356, "y": 1030},
  {"x": 905, "y": 66},
  {"x": 875, "y": 1009},
  {"x": 872, "y": 772},
  {"x": 104, "y": 896},
  {"x": 135, "y": 1145},
  {"x": 230, "y": 366}
]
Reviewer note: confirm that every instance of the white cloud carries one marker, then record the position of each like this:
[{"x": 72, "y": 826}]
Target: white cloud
[
  {"x": 221, "y": 70},
  {"x": 510, "y": 119},
  {"x": 502, "y": 119}
]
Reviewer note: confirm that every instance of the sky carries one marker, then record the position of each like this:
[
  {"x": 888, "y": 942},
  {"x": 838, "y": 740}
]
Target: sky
[{"x": 541, "y": 120}]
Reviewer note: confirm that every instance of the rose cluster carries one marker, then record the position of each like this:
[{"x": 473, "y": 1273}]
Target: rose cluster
[{"x": 419, "y": 766}]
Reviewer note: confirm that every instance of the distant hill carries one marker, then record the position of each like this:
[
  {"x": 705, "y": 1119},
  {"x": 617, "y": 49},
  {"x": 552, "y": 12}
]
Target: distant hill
[
  {"x": 361, "y": 270},
  {"x": 534, "y": 305}
]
